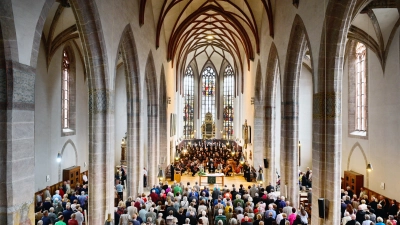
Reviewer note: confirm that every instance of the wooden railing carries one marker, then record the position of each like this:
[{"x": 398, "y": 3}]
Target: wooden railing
[
  {"x": 376, "y": 194},
  {"x": 55, "y": 187}
]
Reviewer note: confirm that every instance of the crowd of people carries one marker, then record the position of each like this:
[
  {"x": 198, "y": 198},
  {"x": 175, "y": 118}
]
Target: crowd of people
[
  {"x": 358, "y": 209},
  {"x": 177, "y": 204},
  {"x": 66, "y": 206},
  {"x": 212, "y": 156}
]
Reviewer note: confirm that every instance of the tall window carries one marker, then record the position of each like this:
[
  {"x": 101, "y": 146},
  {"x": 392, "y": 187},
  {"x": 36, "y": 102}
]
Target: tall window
[
  {"x": 188, "y": 108},
  {"x": 208, "y": 92},
  {"x": 65, "y": 91},
  {"x": 361, "y": 88},
  {"x": 228, "y": 101}
]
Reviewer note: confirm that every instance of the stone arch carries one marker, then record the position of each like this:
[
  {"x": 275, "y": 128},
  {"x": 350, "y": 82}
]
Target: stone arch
[
  {"x": 100, "y": 100},
  {"x": 163, "y": 119},
  {"x": 298, "y": 44},
  {"x": 269, "y": 119},
  {"x": 351, "y": 152},
  {"x": 355, "y": 146},
  {"x": 327, "y": 119},
  {"x": 152, "y": 120},
  {"x": 128, "y": 50},
  {"x": 69, "y": 141}
]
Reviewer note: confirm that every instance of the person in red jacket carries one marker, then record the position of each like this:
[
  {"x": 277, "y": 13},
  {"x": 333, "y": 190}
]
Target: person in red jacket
[{"x": 73, "y": 221}]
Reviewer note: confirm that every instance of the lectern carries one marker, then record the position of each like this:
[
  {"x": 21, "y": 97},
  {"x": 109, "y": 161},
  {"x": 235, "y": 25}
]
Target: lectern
[{"x": 177, "y": 176}]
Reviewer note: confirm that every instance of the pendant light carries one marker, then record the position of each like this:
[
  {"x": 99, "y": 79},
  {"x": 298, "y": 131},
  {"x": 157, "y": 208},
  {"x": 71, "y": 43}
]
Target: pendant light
[{"x": 160, "y": 174}]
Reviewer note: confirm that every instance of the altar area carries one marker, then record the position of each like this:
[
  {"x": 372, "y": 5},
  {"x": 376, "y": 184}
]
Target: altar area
[{"x": 228, "y": 181}]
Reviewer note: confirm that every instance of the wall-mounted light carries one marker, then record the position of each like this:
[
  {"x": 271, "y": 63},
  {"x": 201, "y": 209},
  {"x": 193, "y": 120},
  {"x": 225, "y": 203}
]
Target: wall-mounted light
[
  {"x": 169, "y": 100},
  {"x": 369, "y": 167},
  {"x": 59, "y": 157},
  {"x": 252, "y": 100}
]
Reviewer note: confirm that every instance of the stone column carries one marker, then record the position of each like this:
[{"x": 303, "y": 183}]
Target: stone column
[
  {"x": 17, "y": 104},
  {"x": 152, "y": 145},
  {"x": 327, "y": 120},
  {"x": 259, "y": 138},
  {"x": 98, "y": 155}
]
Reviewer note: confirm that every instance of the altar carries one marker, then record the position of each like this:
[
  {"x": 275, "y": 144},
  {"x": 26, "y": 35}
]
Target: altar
[{"x": 212, "y": 179}]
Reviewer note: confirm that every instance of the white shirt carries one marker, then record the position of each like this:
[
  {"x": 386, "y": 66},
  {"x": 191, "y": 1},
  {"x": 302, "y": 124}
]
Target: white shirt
[
  {"x": 145, "y": 172},
  {"x": 346, "y": 219},
  {"x": 84, "y": 177},
  {"x": 205, "y": 220},
  {"x": 79, "y": 217},
  {"x": 366, "y": 222},
  {"x": 279, "y": 217}
]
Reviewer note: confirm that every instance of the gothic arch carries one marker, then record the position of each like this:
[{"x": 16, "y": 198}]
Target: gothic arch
[
  {"x": 100, "y": 99},
  {"x": 298, "y": 44},
  {"x": 327, "y": 119},
  {"x": 69, "y": 141},
  {"x": 271, "y": 81},
  {"x": 351, "y": 153},
  {"x": 128, "y": 51},
  {"x": 152, "y": 120}
]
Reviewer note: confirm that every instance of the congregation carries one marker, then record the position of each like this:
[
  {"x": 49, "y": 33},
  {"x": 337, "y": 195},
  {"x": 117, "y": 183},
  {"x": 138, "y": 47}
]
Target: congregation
[
  {"x": 359, "y": 209},
  {"x": 194, "y": 205},
  {"x": 67, "y": 206}
]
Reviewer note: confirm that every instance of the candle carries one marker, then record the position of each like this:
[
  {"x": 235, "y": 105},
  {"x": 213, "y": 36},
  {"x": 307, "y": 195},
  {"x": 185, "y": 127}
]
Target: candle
[{"x": 109, "y": 217}]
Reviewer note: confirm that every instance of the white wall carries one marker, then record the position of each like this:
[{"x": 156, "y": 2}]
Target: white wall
[
  {"x": 382, "y": 146},
  {"x": 305, "y": 118},
  {"x": 48, "y": 139},
  {"x": 121, "y": 120}
]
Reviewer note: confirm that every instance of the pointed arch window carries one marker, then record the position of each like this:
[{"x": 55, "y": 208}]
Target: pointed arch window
[
  {"x": 188, "y": 107},
  {"x": 208, "y": 92},
  {"x": 229, "y": 84},
  {"x": 361, "y": 88},
  {"x": 65, "y": 90},
  {"x": 68, "y": 104}
]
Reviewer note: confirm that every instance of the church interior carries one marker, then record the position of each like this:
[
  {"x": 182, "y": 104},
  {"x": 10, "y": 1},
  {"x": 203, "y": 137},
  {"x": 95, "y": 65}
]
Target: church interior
[{"x": 93, "y": 88}]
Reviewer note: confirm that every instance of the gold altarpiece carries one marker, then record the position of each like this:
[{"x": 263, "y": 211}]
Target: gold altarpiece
[{"x": 208, "y": 127}]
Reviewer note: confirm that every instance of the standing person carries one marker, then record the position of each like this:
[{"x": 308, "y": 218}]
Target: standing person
[
  {"x": 84, "y": 178},
  {"x": 123, "y": 176},
  {"x": 73, "y": 221},
  {"x": 144, "y": 177},
  {"x": 120, "y": 190}
]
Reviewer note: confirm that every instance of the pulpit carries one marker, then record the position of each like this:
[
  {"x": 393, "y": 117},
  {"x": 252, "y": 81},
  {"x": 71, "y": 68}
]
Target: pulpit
[{"x": 208, "y": 127}]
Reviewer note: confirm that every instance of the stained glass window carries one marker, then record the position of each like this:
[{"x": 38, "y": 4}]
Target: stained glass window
[
  {"x": 361, "y": 88},
  {"x": 228, "y": 101},
  {"x": 65, "y": 90},
  {"x": 188, "y": 107},
  {"x": 208, "y": 92}
]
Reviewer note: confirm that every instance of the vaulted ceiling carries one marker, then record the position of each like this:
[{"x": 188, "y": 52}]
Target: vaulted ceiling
[{"x": 215, "y": 30}]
